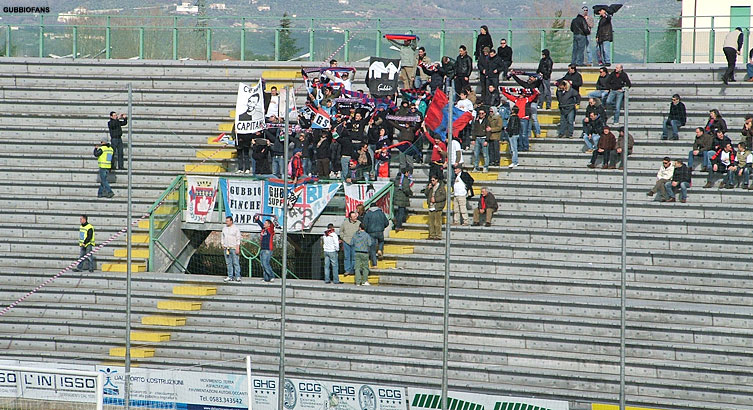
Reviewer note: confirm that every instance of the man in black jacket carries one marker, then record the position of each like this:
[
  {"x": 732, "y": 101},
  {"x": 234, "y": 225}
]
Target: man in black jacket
[
  {"x": 681, "y": 179},
  {"x": 545, "y": 70},
  {"x": 580, "y": 29},
  {"x": 574, "y": 77},
  {"x": 505, "y": 53},
  {"x": 604, "y": 34},
  {"x": 676, "y": 118},
  {"x": 116, "y": 137},
  {"x": 463, "y": 67},
  {"x": 617, "y": 81},
  {"x": 602, "y": 85}
]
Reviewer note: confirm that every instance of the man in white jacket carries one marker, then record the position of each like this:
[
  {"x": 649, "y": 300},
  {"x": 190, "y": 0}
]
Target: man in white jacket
[
  {"x": 665, "y": 173},
  {"x": 331, "y": 243}
]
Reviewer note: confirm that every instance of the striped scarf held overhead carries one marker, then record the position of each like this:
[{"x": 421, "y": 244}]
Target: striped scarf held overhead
[
  {"x": 517, "y": 90},
  {"x": 404, "y": 118}
]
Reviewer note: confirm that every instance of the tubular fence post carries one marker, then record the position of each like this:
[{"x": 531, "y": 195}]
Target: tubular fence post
[
  {"x": 108, "y": 32},
  {"x": 678, "y": 46},
  {"x": 646, "y": 44},
  {"x": 41, "y": 35},
  {"x": 542, "y": 39},
  {"x": 379, "y": 38},
  {"x": 7, "y": 40},
  {"x": 746, "y": 41},
  {"x": 611, "y": 51},
  {"x": 277, "y": 44},
  {"x": 284, "y": 273},
  {"x": 311, "y": 41},
  {"x": 647, "y": 53},
  {"x": 175, "y": 38},
  {"x": 448, "y": 229},
  {"x": 473, "y": 43},
  {"x": 141, "y": 43},
  {"x": 346, "y": 49},
  {"x": 712, "y": 42},
  {"x": 509, "y": 32},
  {"x": 243, "y": 39},
  {"x": 75, "y": 42},
  {"x": 623, "y": 275},
  {"x": 209, "y": 44},
  {"x": 442, "y": 35}
]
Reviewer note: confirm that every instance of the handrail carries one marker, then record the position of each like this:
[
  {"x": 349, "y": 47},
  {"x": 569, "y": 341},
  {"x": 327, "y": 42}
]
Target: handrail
[
  {"x": 390, "y": 187},
  {"x": 177, "y": 181},
  {"x": 252, "y": 257}
]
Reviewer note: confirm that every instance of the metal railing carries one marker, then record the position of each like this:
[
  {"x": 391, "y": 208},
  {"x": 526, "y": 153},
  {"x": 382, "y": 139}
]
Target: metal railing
[
  {"x": 166, "y": 208},
  {"x": 253, "y": 255},
  {"x": 637, "y": 39}
]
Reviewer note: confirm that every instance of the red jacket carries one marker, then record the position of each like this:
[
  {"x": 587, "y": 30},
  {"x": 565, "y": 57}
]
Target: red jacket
[
  {"x": 522, "y": 102},
  {"x": 437, "y": 145}
]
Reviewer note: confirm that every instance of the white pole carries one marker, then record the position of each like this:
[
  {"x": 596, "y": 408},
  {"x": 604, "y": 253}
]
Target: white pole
[
  {"x": 448, "y": 204},
  {"x": 100, "y": 390},
  {"x": 284, "y": 274},
  {"x": 127, "y": 387},
  {"x": 623, "y": 275},
  {"x": 249, "y": 382}
]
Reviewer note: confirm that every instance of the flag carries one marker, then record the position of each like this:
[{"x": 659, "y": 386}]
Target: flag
[
  {"x": 401, "y": 37},
  {"x": 320, "y": 118},
  {"x": 437, "y": 116}
]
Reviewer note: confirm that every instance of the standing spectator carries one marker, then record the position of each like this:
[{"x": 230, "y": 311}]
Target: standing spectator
[
  {"x": 267, "y": 245},
  {"x": 436, "y": 75},
  {"x": 484, "y": 39},
  {"x": 606, "y": 147},
  {"x": 590, "y": 22},
  {"x": 545, "y": 71},
  {"x": 362, "y": 243},
  {"x": 463, "y": 67},
  {"x": 262, "y": 158},
  {"x": 496, "y": 125},
  {"x": 331, "y": 245},
  {"x": 495, "y": 68},
  {"x": 617, "y": 81},
  {"x": 722, "y": 161},
  {"x": 580, "y": 29},
  {"x": 448, "y": 71},
  {"x": 715, "y": 123},
  {"x": 376, "y": 222},
  {"x": 436, "y": 196},
  {"x": 462, "y": 188},
  {"x": 231, "y": 246},
  {"x": 274, "y": 110},
  {"x": 681, "y": 179},
  {"x": 422, "y": 77},
  {"x": 85, "y": 244},
  {"x": 604, "y": 35},
  {"x": 702, "y": 147},
  {"x": 749, "y": 66},
  {"x": 103, "y": 153},
  {"x": 617, "y": 157},
  {"x": 322, "y": 152},
  {"x": 480, "y": 131},
  {"x": 733, "y": 45},
  {"x": 347, "y": 230},
  {"x": 534, "y": 83},
  {"x": 592, "y": 130},
  {"x": 115, "y": 125},
  {"x": 747, "y": 130},
  {"x": 676, "y": 118},
  {"x": 505, "y": 53},
  {"x": 574, "y": 78},
  {"x": 483, "y": 70},
  {"x": 523, "y": 99},
  {"x": 407, "y": 60},
  {"x": 602, "y": 85},
  {"x": 487, "y": 206},
  {"x": 438, "y": 155},
  {"x": 401, "y": 200},
  {"x": 744, "y": 164},
  {"x": 666, "y": 170},
  {"x": 513, "y": 135},
  {"x": 276, "y": 137},
  {"x": 492, "y": 98},
  {"x": 296, "y": 167},
  {"x": 243, "y": 148},
  {"x": 456, "y": 153},
  {"x": 567, "y": 99}
]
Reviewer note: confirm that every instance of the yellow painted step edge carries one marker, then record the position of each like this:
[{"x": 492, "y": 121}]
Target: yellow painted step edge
[{"x": 163, "y": 321}]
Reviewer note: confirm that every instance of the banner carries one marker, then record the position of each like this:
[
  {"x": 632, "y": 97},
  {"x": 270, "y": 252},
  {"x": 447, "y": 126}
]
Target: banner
[
  {"x": 202, "y": 195},
  {"x": 46, "y": 385},
  {"x": 245, "y": 199},
  {"x": 170, "y": 389},
  {"x": 430, "y": 399},
  {"x": 356, "y": 194},
  {"x": 249, "y": 109},
  {"x": 382, "y": 76},
  {"x": 305, "y": 394},
  {"x": 292, "y": 111}
]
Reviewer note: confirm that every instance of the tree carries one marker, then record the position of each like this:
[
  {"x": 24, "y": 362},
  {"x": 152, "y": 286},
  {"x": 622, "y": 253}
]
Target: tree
[
  {"x": 288, "y": 47},
  {"x": 558, "y": 39},
  {"x": 663, "y": 50}
]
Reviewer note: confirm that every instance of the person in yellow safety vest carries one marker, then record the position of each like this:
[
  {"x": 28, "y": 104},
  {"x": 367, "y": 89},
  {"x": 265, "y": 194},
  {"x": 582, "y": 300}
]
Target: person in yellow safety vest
[
  {"x": 85, "y": 244},
  {"x": 104, "y": 152}
]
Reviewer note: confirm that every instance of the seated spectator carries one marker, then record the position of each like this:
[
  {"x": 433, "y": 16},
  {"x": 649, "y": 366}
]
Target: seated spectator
[
  {"x": 617, "y": 157},
  {"x": 715, "y": 122},
  {"x": 595, "y": 105},
  {"x": 664, "y": 175},
  {"x": 606, "y": 146},
  {"x": 618, "y": 80},
  {"x": 722, "y": 162},
  {"x": 568, "y": 100},
  {"x": 401, "y": 199},
  {"x": 487, "y": 206},
  {"x": 602, "y": 87},
  {"x": 676, "y": 118},
  {"x": 720, "y": 141},
  {"x": 744, "y": 164},
  {"x": 592, "y": 130},
  {"x": 681, "y": 179},
  {"x": 747, "y": 130},
  {"x": 702, "y": 147}
]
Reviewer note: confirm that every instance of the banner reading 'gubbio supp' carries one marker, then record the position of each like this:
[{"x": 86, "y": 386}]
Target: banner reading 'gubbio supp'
[{"x": 306, "y": 394}]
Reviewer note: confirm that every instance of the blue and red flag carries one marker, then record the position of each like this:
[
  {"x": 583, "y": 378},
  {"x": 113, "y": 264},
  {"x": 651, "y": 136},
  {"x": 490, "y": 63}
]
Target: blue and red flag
[
  {"x": 437, "y": 116},
  {"x": 401, "y": 37}
]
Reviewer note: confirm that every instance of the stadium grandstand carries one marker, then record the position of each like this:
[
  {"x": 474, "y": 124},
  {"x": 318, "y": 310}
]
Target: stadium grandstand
[{"x": 549, "y": 298}]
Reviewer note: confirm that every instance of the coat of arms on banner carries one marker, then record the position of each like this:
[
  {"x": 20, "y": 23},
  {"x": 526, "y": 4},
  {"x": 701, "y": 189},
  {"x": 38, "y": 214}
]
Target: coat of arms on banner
[
  {"x": 249, "y": 109},
  {"x": 202, "y": 195}
]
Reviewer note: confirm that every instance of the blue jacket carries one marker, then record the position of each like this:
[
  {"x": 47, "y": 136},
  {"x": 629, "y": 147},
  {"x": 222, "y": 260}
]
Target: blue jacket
[{"x": 361, "y": 241}]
